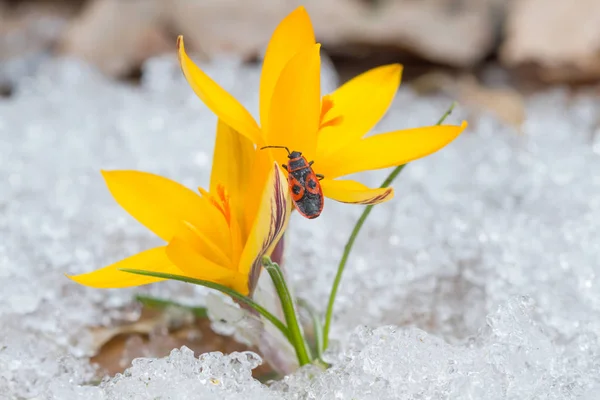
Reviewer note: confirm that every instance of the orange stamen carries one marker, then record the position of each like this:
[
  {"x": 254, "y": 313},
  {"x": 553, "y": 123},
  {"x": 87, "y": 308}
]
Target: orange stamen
[
  {"x": 326, "y": 106},
  {"x": 221, "y": 201}
]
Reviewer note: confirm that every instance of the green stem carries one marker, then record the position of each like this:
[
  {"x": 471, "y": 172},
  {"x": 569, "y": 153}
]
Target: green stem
[
  {"x": 446, "y": 114},
  {"x": 158, "y": 303},
  {"x": 352, "y": 239},
  {"x": 224, "y": 289},
  {"x": 287, "y": 304},
  {"x": 317, "y": 327}
]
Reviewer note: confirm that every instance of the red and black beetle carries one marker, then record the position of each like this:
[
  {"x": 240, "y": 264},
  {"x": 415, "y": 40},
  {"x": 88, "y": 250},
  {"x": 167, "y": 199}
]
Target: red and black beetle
[{"x": 304, "y": 185}]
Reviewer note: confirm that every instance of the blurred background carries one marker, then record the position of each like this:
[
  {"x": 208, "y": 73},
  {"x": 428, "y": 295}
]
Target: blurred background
[
  {"x": 526, "y": 43},
  {"x": 487, "y": 54}
]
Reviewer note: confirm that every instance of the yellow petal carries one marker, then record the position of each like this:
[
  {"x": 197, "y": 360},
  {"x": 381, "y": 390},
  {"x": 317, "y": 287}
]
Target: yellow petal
[
  {"x": 348, "y": 191},
  {"x": 154, "y": 260},
  {"x": 194, "y": 265},
  {"x": 387, "y": 150},
  {"x": 202, "y": 245},
  {"x": 263, "y": 164},
  {"x": 223, "y": 104},
  {"x": 269, "y": 224},
  {"x": 294, "y": 33},
  {"x": 162, "y": 205},
  {"x": 237, "y": 239},
  {"x": 296, "y": 105},
  {"x": 232, "y": 165},
  {"x": 361, "y": 102}
]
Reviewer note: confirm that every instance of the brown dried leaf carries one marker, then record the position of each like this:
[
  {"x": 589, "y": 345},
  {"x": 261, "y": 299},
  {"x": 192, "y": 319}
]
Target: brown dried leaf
[{"x": 155, "y": 334}]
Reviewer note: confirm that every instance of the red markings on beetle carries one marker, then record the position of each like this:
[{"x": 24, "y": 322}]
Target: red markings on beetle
[{"x": 303, "y": 183}]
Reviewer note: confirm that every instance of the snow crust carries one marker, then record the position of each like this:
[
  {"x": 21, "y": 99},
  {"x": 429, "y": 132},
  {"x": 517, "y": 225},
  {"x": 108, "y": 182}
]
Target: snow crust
[{"x": 480, "y": 280}]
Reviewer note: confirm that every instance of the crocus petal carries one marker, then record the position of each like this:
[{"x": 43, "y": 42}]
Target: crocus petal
[
  {"x": 294, "y": 33},
  {"x": 202, "y": 245},
  {"x": 198, "y": 267},
  {"x": 387, "y": 150},
  {"x": 269, "y": 224},
  {"x": 223, "y": 104},
  {"x": 348, "y": 191},
  {"x": 361, "y": 103},
  {"x": 233, "y": 161},
  {"x": 296, "y": 105},
  {"x": 162, "y": 205},
  {"x": 154, "y": 260},
  {"x": 263, "y": 163}
]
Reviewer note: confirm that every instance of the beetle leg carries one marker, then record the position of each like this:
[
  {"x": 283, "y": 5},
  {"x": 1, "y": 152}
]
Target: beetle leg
[
  {"x": 284, "y": 166},
  {"x": 319, "y": 176},
  {"x": 311, "y": 163}
]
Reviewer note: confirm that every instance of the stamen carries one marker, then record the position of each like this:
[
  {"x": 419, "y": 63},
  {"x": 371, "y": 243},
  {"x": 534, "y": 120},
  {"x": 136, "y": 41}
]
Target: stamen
[
  {"x": 326, "y": 106},
  {"x": 332, "y": 122},
  {"x": 224, "y": 196},
  {"x": 221, "y": 202}
]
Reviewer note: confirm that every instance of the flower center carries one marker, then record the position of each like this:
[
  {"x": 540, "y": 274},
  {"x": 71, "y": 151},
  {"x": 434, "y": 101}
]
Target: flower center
[
  {"x": 221, "y": 201},
  {"x": 328, "y": 116}
]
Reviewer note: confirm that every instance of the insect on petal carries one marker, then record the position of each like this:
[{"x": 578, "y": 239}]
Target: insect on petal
[
  {"x": 154, "y": 260},
  {"x": 348, "y": 191}
]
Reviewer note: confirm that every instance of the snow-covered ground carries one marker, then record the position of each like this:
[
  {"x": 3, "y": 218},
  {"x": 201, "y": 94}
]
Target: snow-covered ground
[{"x": 480, "y": 280}]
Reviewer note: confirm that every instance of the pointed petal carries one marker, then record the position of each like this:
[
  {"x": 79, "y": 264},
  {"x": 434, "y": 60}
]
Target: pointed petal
[
  {"x": 294, "y": 33},
  {"x": 223, "y": 104},
  {"x": 196, "y": 266},
  {"x": 269, "y": 224},
  {"x": 361, "y": 102},
  {"x": 388, "y": 149},
  {"x": 154, "y": 260},
  {"x": 162, "y": 205},
  {"x": 263, "y": 164},
  {"x": 348, "y": 191},
  {"x": 296, "y": 105},
  {"x": 202, "y": 245},
  {"x": 232, "y": 165}
]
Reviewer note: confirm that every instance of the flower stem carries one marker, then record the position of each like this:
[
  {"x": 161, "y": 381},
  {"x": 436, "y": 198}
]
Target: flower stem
[
  {"x": 287, "y": 304},
  {"x": 352, "y": 239},
  {"x": 317, "y": 327},
  {"x": 224, "y": 289}
]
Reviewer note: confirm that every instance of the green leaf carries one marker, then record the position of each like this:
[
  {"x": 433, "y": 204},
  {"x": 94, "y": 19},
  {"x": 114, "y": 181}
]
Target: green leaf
[
  {"x": 158, "y": 303},
  {"x": 223, "y": 289}
]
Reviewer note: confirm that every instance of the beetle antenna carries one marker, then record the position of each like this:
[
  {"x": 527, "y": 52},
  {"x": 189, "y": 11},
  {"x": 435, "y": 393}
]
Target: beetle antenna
[{"x": 276, "y": 147}]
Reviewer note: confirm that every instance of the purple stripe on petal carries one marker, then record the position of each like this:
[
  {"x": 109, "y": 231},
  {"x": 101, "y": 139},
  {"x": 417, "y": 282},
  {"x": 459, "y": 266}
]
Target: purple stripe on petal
[{"x": 278, "y": 222}]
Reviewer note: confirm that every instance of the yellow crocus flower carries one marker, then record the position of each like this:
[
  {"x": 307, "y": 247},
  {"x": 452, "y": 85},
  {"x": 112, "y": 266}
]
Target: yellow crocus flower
[
  {"x": 210, "y": 235},
  {"x": 329, "y": 131}
]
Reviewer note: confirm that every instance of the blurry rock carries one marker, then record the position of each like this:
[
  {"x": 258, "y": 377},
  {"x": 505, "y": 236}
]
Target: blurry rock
[
  {"x": 455, "y": 33},
  {"x": 30, "y": 28},
  {"x": 241, "y": 27},
  {"x": 560, "y": 39},
  {"x": 117, "y": 36},
  {"x": 27, "y": 33},
  {"x": 505, "y": 103}
]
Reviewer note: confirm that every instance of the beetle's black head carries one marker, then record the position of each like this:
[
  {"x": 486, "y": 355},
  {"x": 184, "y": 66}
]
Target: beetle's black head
[{"x": 294, "y": 154}]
